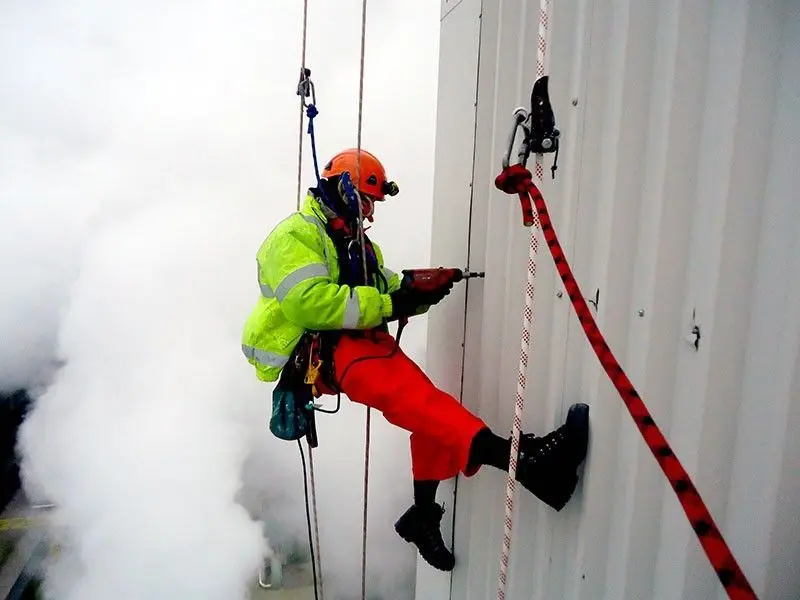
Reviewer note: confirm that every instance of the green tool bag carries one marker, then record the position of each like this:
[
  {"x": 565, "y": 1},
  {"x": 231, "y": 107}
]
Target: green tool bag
[
  {"x": 292, "y": 399},
  {"x": 290, "y": 420}
]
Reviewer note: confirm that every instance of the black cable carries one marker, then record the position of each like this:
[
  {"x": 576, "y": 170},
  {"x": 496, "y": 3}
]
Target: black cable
[
  {"x": 308, "y": 520},
  {"x": 347, "y": 368}
]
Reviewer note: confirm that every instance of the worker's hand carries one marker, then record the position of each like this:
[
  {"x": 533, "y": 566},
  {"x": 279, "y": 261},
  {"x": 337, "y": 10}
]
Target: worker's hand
[
  {"x": 437, "y": 295},
  {"x": 404, "y": 303},
  {"x": 407, "y": 302}
]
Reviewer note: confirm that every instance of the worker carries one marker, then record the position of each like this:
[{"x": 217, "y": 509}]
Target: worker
[{"x": 313, "y": 295}]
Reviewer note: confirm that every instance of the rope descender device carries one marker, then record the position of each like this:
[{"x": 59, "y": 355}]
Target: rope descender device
[{"x": 539, "y": 136}]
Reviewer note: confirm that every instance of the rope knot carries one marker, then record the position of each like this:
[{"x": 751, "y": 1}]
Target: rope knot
[
  {"x": 514, "y": 179},
  {"x": 311, "y": 111}
]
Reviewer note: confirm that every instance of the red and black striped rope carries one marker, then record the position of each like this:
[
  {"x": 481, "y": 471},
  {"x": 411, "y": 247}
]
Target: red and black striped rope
[{"x": 516, "y": 179}]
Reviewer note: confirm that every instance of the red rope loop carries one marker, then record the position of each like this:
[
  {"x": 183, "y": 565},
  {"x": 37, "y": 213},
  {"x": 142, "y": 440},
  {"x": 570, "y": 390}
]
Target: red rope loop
[{"x": 516, "y": 179}]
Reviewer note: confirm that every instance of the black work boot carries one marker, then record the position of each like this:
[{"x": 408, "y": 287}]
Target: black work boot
[
  {"x": 420, "y": 525},
  {"x": 547, "y": 466}
]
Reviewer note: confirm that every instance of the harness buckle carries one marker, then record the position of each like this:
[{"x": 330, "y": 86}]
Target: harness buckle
[{"x": 314, "y": 363}]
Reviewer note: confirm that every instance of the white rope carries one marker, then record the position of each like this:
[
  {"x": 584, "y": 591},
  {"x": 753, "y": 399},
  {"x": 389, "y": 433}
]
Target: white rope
[
  {"x": 302, "y": 105},
  {"x": 366, "y": 282},
  {"x": 318, "y": 553},
  {"x": 526, "y": 341}
]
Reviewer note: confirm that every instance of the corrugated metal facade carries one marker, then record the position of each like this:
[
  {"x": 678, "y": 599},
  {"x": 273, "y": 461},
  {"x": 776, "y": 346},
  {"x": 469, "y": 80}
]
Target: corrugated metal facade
[{"x": 676, "y": 202}]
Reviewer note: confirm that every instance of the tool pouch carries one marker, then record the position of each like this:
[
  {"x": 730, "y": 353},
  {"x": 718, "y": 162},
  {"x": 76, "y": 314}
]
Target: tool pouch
[{"x": 291, "y": 417}]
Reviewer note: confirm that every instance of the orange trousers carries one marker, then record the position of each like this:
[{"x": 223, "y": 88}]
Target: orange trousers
[{"x": 441, "y": 428}]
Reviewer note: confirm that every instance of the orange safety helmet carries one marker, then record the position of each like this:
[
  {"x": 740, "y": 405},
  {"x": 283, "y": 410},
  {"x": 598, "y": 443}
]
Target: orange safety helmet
[{"x": 372, "y": 179}]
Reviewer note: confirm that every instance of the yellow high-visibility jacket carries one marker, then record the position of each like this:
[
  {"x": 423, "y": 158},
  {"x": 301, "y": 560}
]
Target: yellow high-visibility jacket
[{"x": 298, "y": 271}]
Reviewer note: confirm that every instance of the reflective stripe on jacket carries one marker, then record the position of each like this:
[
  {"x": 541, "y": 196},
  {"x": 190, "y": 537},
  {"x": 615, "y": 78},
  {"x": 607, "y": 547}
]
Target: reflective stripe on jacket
[{"x": 298, "y": 271}]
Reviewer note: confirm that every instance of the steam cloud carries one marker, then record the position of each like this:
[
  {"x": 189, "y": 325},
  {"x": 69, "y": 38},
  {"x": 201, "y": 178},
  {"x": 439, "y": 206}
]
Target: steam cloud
[{"x": 145, "y": 151}]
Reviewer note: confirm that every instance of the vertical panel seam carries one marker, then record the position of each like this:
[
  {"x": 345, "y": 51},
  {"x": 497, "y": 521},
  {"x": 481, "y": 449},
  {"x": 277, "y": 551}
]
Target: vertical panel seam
[{"x": 469, "y": 255}]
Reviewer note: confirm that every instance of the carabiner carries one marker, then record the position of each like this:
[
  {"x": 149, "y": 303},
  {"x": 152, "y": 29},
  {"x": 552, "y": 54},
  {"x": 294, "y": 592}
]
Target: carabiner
[
  {"x": 305, "y": 87},
  {"x": 350, "y": 192},
  {"x": 520, "y": 116}
]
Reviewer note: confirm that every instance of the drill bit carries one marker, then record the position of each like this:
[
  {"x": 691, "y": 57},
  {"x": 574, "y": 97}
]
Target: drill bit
[{"x": 471, "y": 274}]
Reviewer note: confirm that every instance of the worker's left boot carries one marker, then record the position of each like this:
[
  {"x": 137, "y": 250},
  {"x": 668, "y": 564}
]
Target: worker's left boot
[
  {"x": 420, "y": 525},
  {"x": 547, "y": 466}
]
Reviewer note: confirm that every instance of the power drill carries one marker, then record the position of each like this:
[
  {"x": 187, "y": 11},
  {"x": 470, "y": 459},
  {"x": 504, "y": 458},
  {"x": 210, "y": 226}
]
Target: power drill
[{"x": 429, "y": 280}]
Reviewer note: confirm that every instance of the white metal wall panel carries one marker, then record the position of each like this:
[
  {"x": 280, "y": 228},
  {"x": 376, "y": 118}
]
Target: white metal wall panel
[
  {"x": 455, "y": 136},
  {"x": 675, "y": 201}
]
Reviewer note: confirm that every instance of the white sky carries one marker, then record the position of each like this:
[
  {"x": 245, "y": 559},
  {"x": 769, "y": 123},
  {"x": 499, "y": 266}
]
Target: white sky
[{"x": 145, "y": 151}]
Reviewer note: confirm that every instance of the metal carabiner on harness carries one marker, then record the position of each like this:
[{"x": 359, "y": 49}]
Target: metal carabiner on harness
[{"x": 350, "y": 192}]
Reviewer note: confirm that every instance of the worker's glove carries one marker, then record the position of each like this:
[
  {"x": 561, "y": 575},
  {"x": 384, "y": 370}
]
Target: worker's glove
[
  {"x": 405, "y": 303},
  {"x": 408, "y": 302},
  {"x": 437, "y": 295}
]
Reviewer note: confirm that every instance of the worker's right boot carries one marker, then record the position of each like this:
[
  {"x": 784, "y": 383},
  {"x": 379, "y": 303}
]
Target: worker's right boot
[
  {"x": 420, "y": 525},
  {"x": 547, "y": 466}
]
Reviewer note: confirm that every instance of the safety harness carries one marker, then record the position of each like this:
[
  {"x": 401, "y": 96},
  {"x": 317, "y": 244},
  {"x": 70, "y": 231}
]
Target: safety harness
[{"x": 312, "y": 360}]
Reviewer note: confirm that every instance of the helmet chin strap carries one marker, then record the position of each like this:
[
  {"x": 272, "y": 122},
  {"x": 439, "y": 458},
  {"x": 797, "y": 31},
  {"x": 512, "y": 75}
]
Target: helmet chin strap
[{"x": 367, "y": 208}]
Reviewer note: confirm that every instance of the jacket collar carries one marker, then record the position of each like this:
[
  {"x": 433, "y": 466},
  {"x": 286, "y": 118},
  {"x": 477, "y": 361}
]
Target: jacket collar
[{"x": 313, "y": 207}]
